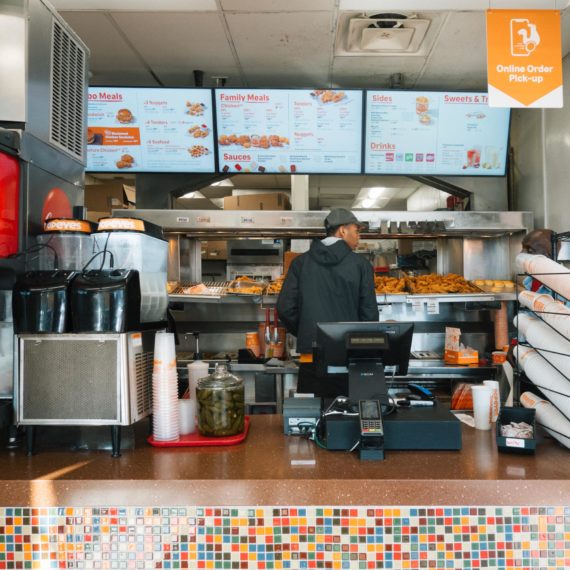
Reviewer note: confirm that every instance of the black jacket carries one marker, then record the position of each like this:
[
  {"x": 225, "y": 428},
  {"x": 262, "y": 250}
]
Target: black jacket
[{"x": 326, "y": 284}]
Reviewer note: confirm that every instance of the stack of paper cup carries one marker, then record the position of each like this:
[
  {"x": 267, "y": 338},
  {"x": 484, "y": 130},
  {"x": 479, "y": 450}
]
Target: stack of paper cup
[
  {"x": 165, "y": 406},
  {"x": 549, "y": 417},
  {"x": 547, "y": 271}
]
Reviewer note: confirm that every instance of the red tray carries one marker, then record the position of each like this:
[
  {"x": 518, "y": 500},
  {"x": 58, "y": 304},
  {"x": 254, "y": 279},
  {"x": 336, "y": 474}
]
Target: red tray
[{"x": 197, "y": 440}]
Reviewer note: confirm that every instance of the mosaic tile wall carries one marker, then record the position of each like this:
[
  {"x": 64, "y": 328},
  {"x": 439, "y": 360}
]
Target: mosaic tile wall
[{"x": 277, "y": 537}]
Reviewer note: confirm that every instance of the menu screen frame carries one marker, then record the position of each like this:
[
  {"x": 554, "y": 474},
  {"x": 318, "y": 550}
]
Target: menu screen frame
[
  {"x": 465, "y": 172},
  {"x": 135, "y": 169},
  {"x": 349, "y": 90}
]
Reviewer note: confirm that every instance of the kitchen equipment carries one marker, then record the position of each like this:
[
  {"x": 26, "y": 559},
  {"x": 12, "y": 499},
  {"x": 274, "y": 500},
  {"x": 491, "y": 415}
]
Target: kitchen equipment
[
  {"x": 7, "y": 280},
  {"x": 139, "y": 245},
  {"x": 41, "y": 302},
  {"x": 65, "y": 244},
  {"x": 107, "y": 300},
  {"x": 220, "y": 403},
  {"x": 256, "y": 258},
  {"x": 83, "y": 379}
]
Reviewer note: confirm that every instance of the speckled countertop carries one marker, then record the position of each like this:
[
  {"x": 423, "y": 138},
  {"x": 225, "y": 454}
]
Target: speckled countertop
[{"x": 260, "y": 472}]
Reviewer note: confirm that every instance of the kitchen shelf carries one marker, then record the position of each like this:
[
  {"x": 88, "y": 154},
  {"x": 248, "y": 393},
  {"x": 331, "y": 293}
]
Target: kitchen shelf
[{"x": 380, "y": 299}]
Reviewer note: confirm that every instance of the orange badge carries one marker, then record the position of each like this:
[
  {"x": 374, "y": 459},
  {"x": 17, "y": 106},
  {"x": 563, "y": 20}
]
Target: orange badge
[{"x": 524, "y": 58}]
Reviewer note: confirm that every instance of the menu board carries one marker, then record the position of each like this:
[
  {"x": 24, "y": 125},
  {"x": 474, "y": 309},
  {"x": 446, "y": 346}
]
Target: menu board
[
  {"x": 429, "y": 133},
  {"x": 296, "y": 131},
  {"x": 150, "y": 130}
]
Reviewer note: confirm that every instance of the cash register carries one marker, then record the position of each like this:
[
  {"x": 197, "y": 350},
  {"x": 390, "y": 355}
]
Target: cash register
[{"x": 368, "y": 417}]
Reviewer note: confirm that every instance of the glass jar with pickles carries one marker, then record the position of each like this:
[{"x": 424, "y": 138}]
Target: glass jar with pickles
[{"x": 220, "y": 403}]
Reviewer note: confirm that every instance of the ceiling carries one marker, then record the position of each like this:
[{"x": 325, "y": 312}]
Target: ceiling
[{"x": 281, "y": 43}]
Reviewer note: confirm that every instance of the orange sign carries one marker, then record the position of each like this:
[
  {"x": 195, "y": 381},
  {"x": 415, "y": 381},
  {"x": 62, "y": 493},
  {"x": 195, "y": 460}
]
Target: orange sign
[
  {"x": 524, "y": 58},
  {"x": 116, "y": 136}
]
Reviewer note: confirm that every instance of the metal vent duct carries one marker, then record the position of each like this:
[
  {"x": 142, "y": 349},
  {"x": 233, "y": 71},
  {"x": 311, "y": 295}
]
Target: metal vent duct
[{"x": 67, "y": 92}]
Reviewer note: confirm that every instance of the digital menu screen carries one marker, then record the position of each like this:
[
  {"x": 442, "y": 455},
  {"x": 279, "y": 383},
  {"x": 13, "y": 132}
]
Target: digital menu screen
[
  {"x": 289, "y": 130},
  {"x": 150, "y": 130},
  {"x": 432, "y": 133}
]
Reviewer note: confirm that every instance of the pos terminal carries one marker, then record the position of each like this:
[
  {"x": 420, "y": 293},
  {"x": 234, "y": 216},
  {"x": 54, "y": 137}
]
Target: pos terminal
[{"x": 362, "y": 350}]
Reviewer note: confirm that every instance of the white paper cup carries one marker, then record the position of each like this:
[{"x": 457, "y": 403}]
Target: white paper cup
[
  {"x": 187, "y": 416},
  {"x": 164, "y": 348},
  {"x": 495, "y": 398},
  {"x": 482, "y": 396}
]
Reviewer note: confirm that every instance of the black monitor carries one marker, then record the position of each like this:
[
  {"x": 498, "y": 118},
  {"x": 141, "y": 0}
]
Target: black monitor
[
  {"x": 390, "y": 342},
  {"x": 363, "y": 350}
]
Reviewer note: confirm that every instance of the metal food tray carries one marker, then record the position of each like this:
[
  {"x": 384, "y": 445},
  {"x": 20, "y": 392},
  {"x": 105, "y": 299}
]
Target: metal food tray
[
  {"x": 235, "y": 284},
  {"x": 218, "y": 289}
]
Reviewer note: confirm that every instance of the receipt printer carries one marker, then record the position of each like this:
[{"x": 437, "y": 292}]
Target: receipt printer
[{"x": 300, "y": 415}]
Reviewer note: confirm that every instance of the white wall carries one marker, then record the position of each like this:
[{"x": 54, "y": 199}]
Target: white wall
[{"x": 541, "y": 143}]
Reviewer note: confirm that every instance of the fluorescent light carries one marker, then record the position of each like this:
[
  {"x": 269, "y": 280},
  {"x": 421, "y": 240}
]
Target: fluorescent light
[
  {"x": 225, "y": 182},
  {"x": 367, "y": 202},
  {"x": 375, "y": 192}
]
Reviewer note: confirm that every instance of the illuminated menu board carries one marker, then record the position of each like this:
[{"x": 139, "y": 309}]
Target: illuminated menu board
[
  {"x": 295, "y": 131},
  {"x": 434, "y": 133},
  {"x": 150, "y": 130}
]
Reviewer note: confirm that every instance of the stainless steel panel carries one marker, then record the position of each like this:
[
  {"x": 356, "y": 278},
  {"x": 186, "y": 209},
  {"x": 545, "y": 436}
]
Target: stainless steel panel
[
  {"x": 449, "y": 255},
  {"x": 191, "y": 263},
  {"x": 276, "y": 224},
  {"x": 487, "y": 259},
  {"x": 12, "y": 62}
]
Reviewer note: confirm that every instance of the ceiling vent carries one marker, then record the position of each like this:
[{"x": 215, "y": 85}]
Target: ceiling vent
[{"x": 381, "y": 34}]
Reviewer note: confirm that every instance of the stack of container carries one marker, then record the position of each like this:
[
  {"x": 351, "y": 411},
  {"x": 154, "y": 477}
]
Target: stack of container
[{"x": 165, "y": 408}]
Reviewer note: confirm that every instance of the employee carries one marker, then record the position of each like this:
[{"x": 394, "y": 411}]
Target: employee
[
  {"x": 329, "y": 283},
  {"x": 538, "y": 242}
]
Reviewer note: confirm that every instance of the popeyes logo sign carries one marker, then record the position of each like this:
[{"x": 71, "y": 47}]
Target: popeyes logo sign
[{"x": 524, "y": 58}]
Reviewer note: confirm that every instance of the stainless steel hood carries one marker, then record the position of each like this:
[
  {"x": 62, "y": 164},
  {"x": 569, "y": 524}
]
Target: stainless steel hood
[{"x": 226, "y": 224}]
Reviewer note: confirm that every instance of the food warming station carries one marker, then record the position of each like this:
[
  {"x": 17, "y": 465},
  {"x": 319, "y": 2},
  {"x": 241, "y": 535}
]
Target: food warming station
[{"x": 477, "y": 245}]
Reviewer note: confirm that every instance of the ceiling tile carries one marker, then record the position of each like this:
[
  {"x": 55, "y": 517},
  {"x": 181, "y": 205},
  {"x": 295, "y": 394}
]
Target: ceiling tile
[
  {"x": 459, "y": 57},
  {"x": 137, "y": 5},
  {"x": 276, "y": 5},
  {"x": 290, "y": 48},
  {"x": 174, "y": 44},
  {"x": 111, "y": 56},
  {"x": 375, "y": 72}
]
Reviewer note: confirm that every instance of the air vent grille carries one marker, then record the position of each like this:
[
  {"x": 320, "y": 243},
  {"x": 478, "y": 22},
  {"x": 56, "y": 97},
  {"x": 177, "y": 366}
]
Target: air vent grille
[
  {"x": 67, "y": 92},
  {"x": 143, "y": 374}
]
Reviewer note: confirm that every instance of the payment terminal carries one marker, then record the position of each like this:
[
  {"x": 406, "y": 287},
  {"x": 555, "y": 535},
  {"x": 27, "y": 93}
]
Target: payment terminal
[{"x": 371, "y": 430}]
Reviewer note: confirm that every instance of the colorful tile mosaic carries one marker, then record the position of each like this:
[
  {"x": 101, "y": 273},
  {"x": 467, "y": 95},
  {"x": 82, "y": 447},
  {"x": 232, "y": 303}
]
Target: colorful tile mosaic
[{"x": 269, "y": 538}]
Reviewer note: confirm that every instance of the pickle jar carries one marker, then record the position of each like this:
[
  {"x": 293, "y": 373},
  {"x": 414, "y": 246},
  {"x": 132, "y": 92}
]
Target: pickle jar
[{"x": 220, "y": 403}]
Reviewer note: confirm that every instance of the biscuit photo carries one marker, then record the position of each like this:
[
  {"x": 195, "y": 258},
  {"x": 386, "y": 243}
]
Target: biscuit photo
[{"x": 124, "y": 116}]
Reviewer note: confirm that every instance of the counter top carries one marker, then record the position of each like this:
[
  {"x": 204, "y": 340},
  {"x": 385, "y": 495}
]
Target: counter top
[{"x": 260, "y": 472}]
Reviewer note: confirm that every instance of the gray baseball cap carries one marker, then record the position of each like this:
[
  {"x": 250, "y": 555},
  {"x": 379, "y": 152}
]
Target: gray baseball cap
[{"x": 341, "y": 217}]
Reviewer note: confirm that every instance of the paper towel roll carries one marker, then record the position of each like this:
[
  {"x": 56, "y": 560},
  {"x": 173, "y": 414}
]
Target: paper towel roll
[
  {"x": 548, "y": 416},
  {"x": 552, "y": 274}
]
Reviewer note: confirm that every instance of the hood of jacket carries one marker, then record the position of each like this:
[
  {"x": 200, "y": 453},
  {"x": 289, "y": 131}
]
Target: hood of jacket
[{"x": 329, "y": 254}]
